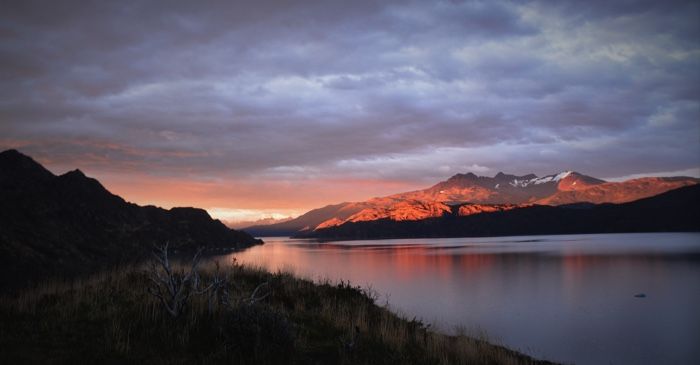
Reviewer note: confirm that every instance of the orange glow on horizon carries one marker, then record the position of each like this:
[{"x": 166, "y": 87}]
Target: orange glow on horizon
[{"x": 283, "y": 198}]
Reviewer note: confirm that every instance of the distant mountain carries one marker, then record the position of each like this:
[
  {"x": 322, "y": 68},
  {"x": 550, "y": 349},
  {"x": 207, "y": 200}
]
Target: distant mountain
[
  {"x": 71, "y": 223},
  {"x": 258, "y": 222},
  {"x": 500, "y": 189},
  {"x": 483, "y": 194},
  {"x": 307, "y": 221},
  {"x": 673, "y": 211},
  {"x": 618, "y": 192}
]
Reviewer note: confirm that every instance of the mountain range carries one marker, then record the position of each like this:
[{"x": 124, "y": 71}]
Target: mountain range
[
  {"x": 237, "y": 224},
  {"x": 70, "y": 223},
  {"x": 469, "y": 194},
  {"x": 673, "y": 211}
]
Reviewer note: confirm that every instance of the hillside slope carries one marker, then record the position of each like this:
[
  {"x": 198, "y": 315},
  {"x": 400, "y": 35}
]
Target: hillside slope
[
  {"x": 70, "y": 223},
  {"x": 673, "y": 211},
  {"x": 307, "y": 221},
  {"x": 484, "y": 193}
]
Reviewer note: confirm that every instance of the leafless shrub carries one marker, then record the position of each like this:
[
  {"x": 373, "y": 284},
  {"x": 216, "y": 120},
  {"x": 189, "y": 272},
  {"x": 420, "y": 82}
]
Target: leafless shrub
[{"x": 173, "y": 287}]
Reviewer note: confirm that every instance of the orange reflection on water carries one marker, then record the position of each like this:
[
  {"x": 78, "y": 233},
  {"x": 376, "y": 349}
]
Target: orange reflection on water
[{"x": 364, "y": 262}]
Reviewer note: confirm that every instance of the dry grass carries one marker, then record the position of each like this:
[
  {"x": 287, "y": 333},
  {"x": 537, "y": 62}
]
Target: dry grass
[{"x": 110, "y": 317}]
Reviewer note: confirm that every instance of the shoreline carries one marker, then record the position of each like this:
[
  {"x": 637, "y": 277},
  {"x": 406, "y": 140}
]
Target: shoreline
[{"x": 110, "y": 317}]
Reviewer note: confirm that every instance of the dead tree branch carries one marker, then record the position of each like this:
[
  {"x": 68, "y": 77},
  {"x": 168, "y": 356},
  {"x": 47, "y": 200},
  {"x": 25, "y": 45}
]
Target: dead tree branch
[
  {"x": 255, "y": 297},
  {"x": 173, "y": 289}
]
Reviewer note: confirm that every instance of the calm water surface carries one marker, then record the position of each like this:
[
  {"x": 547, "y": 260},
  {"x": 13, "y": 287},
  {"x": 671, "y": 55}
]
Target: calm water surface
[{"x": 564, "y": 298}]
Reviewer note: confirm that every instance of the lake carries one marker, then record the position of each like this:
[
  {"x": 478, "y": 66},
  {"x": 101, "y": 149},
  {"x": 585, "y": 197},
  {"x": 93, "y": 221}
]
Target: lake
[{"x": 584, "y": 299}]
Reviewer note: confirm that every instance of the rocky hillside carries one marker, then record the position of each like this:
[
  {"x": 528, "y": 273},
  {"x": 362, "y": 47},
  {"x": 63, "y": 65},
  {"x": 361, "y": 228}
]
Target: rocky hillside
[
  {"x": 672, "y": 211},
  {"x": 472, "y": 194},
  {"x": 308, "y": 221},
  {"x": 71, "y": 223},
  {"x": 618, "y": 192}
]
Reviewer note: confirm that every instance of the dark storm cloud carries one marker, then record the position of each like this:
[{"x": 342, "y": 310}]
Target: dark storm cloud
[{"x": 400, "y": 89}]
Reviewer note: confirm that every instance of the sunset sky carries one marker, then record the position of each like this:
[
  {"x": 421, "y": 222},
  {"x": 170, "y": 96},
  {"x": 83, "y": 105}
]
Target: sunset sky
[{"x": 270, "y": 108}]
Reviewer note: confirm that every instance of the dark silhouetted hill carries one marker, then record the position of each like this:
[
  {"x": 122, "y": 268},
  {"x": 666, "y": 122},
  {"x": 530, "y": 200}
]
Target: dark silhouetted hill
[{"x": 71, "y": 224}]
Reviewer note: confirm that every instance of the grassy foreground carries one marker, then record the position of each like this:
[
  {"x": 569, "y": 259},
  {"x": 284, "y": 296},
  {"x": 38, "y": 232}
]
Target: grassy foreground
[{"x": 111, "y": 318}]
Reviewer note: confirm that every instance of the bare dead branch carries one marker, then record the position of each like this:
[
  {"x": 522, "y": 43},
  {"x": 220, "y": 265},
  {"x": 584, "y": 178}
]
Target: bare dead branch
[
  {"x": 254, "y": 298},
  {"x": 174, "y": 288}
]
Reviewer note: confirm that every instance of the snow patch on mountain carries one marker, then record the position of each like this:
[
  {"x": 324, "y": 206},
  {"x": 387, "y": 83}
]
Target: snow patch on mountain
[{"x": 540, "y": 180}]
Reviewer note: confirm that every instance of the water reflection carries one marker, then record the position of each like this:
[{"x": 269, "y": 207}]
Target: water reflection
[{"x": 565, "y": 298}]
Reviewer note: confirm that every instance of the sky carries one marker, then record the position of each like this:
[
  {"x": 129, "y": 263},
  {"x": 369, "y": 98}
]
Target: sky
[{"x": 253, "y": 109}]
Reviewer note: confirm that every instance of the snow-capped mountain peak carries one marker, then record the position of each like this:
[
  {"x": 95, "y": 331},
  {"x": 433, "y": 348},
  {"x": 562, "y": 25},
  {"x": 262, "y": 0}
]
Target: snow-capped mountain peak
[{"x": 540, "y": 180}]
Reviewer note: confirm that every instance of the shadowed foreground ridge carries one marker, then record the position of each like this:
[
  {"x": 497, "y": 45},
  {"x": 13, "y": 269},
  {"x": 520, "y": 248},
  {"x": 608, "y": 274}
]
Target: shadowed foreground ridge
[
  {"x": 111, "y": 318},
  {"x": 71, "y": 224}
]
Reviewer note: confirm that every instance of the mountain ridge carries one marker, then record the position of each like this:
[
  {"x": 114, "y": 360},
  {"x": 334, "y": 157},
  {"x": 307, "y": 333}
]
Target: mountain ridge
[
  {"x": 485, "y": 194},
  {"x": 672, "y": 211},
  {"x": 71, "y": 223}
]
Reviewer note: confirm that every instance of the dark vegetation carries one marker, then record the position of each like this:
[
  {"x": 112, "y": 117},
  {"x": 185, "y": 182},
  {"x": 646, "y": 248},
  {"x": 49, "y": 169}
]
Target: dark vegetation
[
  {"x": 112, "y": 318},
  {"x": 674, "y": 211},
  {"x": 70, "y": 224}
]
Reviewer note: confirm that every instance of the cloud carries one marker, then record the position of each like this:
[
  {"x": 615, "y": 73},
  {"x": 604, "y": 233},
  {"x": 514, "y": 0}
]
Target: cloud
[
  {"x": 692, "y": 172},
  {"x": 400, "y": 91}
]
